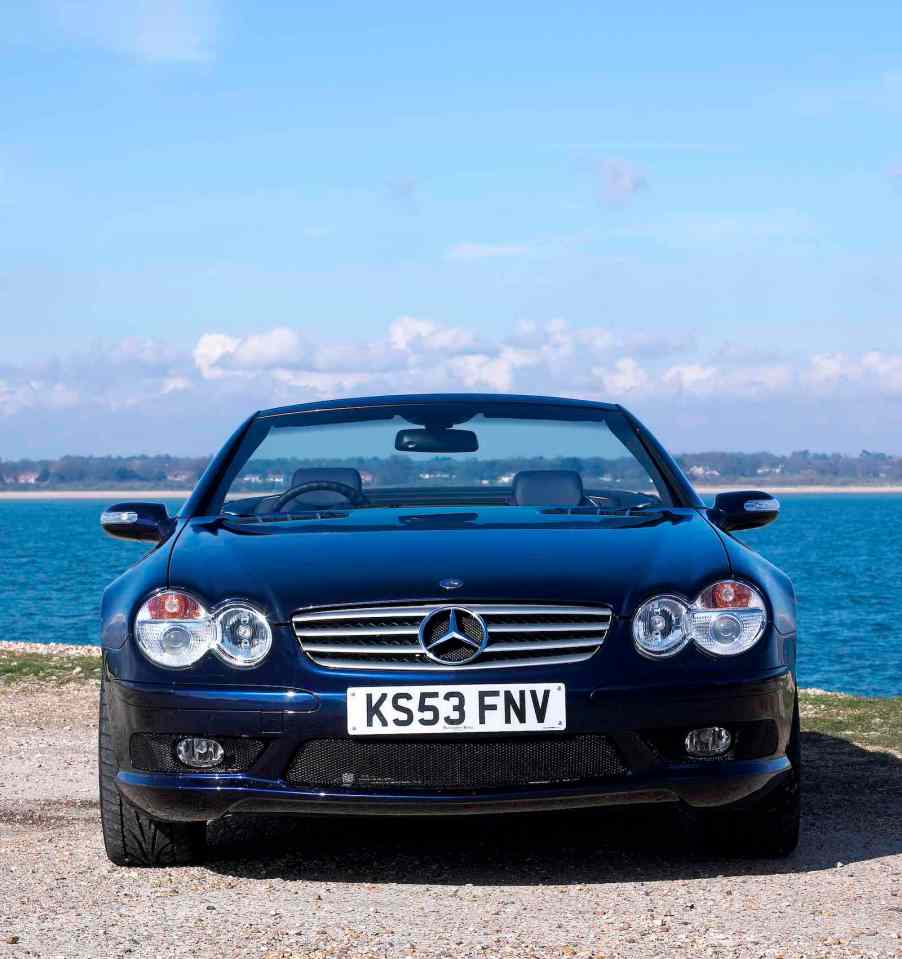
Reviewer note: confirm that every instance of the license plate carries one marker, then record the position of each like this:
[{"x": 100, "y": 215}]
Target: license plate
[{"x": 510, "y": 707}]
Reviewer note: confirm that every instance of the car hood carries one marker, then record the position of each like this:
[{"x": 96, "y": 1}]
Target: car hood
[{"x": 396, "y": 555}]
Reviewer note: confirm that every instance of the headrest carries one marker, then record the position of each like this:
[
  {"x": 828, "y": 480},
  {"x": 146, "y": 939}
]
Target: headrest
[{"x": 547, "y": 488}]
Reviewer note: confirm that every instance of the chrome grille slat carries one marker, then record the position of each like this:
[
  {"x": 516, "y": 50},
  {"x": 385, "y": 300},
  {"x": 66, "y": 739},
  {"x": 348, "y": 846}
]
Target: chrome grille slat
[
  {"x": 361, "y": 650},
  {"x": 387, "y": 612},
  {"x": 361, "y": 631},
  {"x": 386, "y": 637},
  {"x": 531, "y": 645},
  {"x": 548, "y": 627},
  {"x": 428, "y": 666}
]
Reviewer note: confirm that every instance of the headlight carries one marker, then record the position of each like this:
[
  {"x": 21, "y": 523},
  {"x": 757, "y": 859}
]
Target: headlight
[
  {"x": 243, "y": 636},
  {"x": 659, "y": 626},
  {"x": 728, "y": 618},
  {"x": 173, "y": 629}
]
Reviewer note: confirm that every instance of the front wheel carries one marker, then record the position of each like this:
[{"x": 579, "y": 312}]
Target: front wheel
[
  {"x": 770, "y": 827},
  {"x": 130, "y": 836}
]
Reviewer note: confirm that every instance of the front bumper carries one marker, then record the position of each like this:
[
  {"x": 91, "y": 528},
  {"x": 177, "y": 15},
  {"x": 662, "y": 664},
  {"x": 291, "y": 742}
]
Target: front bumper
[{"x": 639, "y": 721}]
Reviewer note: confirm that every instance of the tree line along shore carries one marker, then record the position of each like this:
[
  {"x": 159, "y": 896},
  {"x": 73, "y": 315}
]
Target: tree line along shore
[{"x": 801, "y": 470}]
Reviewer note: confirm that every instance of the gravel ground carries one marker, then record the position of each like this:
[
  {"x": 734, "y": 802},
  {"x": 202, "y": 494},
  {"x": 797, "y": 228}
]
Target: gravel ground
[{"x": 612, "y": 884}]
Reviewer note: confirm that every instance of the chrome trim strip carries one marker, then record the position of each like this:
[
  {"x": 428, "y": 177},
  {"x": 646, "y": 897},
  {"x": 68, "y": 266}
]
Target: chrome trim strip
[
  {"x": 513, "y": 609},
  {"x": 364, "y": 612},
  {"x": 414, "y": 648},
  {"x": 359, "y": 631},
  {"x": 575, "y": 643},
  {"x": 484, "y": 609},
  {"x": 436, "y": 667},
  {"x": 549, "y": 627}
]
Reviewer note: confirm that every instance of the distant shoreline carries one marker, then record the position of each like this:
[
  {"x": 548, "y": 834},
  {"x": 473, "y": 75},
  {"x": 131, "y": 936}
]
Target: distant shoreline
[{"x": 125, "y": 495}]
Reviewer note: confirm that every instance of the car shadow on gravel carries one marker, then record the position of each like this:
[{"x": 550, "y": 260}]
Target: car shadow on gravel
[{"x": 851, "y": 811}]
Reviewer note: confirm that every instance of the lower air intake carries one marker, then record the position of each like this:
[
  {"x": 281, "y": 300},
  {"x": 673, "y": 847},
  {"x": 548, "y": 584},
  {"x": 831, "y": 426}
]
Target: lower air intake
[{"x": 479, "y": 764}]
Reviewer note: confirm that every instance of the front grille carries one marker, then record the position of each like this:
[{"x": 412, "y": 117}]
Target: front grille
[
  {"x": 155, "y": 752},
  {"x": 468, "y": 764},
  {"x": 387, "y": 637}
]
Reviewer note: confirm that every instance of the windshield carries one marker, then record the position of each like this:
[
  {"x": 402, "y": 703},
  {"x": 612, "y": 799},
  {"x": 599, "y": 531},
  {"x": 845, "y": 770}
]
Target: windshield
[{"x": 294, "y": 464}]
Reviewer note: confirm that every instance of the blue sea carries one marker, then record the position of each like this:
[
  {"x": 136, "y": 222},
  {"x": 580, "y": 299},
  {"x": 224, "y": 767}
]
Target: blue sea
[{"x": 843, "y": 552}]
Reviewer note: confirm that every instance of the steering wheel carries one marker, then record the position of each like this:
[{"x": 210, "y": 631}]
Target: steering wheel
[{"x": 353, "y": 496}]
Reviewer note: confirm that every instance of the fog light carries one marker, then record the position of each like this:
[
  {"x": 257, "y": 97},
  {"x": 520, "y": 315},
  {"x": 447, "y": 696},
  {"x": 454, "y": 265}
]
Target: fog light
[
  {"x": 708, "y": 741},
  {"x": 198, "y": 752}
]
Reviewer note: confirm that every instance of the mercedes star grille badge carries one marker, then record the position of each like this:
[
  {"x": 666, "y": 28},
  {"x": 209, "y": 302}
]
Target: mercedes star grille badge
[{"x": 452, "y": 635}]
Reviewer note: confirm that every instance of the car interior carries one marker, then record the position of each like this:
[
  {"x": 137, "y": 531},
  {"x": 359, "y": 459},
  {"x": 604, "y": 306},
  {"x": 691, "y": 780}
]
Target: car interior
[{"x": 318, "y": 489}]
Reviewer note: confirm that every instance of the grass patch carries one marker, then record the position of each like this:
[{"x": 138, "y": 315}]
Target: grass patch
[
  {"x": 47, "y": 668},
  {"x": 865, "y": 721}
]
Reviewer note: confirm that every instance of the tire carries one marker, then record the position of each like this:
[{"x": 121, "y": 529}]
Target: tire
[
  {"x": 131, "y": 837},
  {"x": 771, "y": 827}
]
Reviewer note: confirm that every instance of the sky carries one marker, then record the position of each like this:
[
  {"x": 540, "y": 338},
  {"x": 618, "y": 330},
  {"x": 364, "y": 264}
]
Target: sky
[{"x": 215, "y": 206}]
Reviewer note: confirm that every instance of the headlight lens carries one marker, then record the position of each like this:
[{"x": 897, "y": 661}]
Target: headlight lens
[
  {"x": 728, "y": 618},
  {"x": 173, "y": 629},
  {"x": 659, "y": 626},
  {"x": 243, "y": 636}
]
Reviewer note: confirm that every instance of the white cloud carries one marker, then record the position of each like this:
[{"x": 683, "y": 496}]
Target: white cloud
[
  {"x": 886, "y": 367},
  {"x": 874, "y": 370},
  {"x": 492, "y": 372},
  {"x": 210, "y": 349},
  {"x": 175, "y": 384},
  {"x": 36, "y": 394},
  {"x": 485, "y": 251},
  {"x": 152, "y": 30},
  {"x": 626, "y": 376},
  {"x": 279, "y": 347},
  {"x": 288, "y": 364},
  {"x": 408, "y": 334},
  {"x": 320, "y": 384},
  {"x": 692, "y": 378}
]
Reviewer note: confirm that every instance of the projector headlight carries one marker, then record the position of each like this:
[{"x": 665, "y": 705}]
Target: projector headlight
[
  {"x": 727, "y": 618},
  {"x": 173, "y": 629},
  {"x": 659, "y": 626},
  {"x": 243, "y": 635}
]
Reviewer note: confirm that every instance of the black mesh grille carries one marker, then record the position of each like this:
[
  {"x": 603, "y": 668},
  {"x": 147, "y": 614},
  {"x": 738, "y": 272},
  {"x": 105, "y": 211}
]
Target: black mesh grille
[
  {"x": 471, "y": 764},
  {"x": 156, "y": 753}
]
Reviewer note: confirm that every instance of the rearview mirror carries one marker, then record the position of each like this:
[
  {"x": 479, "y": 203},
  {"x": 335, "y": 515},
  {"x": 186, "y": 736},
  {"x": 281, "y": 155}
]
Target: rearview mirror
[
  {"x": 744, "y": 509},
  {"x": 436, "y": 441},
  {"x": 142, "y": 521}
]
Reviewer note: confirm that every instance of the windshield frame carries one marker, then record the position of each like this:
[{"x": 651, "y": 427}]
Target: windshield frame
[{"x": 210, "y": 494}]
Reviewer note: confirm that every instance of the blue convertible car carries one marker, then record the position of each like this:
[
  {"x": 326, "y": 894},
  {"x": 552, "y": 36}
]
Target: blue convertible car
[{"x": 442, "y": 605}]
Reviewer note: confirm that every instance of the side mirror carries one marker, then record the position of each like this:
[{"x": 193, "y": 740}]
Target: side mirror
[
  {"x": 745, "y": 509},
  {"x": 142, "y": 521}
]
